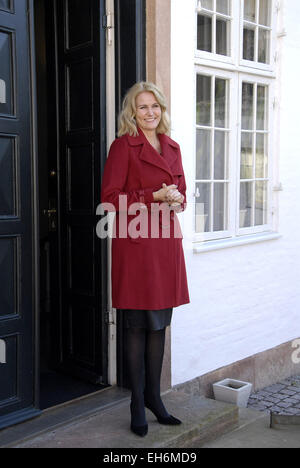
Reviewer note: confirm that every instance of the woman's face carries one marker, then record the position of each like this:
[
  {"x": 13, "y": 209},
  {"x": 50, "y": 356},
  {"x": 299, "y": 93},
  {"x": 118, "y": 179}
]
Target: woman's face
[{"x": 148, "y": 112}]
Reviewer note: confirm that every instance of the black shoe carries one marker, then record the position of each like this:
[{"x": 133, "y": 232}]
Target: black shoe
[
  {"x": 139, "y": 430},
  {"x": 167, "y": 420}
]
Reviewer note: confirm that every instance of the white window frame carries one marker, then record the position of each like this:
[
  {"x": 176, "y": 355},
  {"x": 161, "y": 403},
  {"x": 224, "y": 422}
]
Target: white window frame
[
  {"x": 235, "y": 60},
  {"x": 233, "y": 33},
  {"x": 268, "y": 67},
  {"x": 271, "y": 97},
  {"x": 237, "y": 71},
  {"x": 231, "y": 126}
]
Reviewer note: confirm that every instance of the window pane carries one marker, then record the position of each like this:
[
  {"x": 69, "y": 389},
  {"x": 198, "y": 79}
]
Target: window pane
[
  {"x": 204, "y": 35},
  {"x": 220, "y": 103},
  {"x": 261, "y": 119},
  {"x": 203, "y": 201},
  {"x": 207, "y": 4},
  {"x": 261, "y": 156},
  {"x": 222, "y": 37},
  {"x": 203, "y": 156},
  {"x": 247, "y": 106},
  {"x": 261, "y": 202},
  {"x": 264, "y": 12},
  {"x": 246, "y": 204},
  {"x": 223, "y": 7},
  {"x": 203, "y": 100},
  {"x": 220, "y": 171},
  {"x": 247, "y": 156},
  {"x": 248, "y": 44},
  {"x": 249, "y": 10},
  {"x": 263, "y": 46},
  {"x": 220, "y": 201}
]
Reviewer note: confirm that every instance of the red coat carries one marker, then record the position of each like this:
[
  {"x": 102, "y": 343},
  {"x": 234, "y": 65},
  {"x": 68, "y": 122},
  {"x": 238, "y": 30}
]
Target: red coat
[{"x": 147, "y": 273}]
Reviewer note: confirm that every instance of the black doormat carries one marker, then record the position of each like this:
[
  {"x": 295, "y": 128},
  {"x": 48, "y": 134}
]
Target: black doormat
[{"x": 56, "y": 388}]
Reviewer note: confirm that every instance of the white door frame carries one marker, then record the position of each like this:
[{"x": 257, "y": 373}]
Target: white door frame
[{"x": 111, "y": 131}]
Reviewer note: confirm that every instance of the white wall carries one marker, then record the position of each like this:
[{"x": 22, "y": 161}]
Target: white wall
[{"x": 246, "y": 299}]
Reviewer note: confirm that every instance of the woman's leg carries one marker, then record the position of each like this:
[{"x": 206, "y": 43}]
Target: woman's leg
[
  {"x": 135, "y": 354},
  {"x": 155, "y": 346}
]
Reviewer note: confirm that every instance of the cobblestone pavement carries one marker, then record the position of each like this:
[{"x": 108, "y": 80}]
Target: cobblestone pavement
[{"x": 281, "y": 398}]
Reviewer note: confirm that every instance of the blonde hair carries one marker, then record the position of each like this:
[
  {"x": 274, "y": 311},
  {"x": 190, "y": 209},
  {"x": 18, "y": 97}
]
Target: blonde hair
[{"x": 127, "y": 122}]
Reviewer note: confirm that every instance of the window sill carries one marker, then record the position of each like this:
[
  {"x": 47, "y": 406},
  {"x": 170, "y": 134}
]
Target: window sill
[
  {"x": 234, "y": 242},
  {"x": 244, "y": 67}
]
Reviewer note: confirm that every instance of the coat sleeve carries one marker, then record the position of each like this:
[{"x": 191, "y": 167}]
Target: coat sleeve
[{"x": 115, "y": 176}]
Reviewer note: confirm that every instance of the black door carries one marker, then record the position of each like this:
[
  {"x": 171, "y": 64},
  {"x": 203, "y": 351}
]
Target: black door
[
  {"x": 76, "y": 161},
  {"x": 16, "y": 216}
]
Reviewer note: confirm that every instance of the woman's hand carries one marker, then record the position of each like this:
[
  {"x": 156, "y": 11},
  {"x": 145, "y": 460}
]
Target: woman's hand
[
  {"x": 163, "y": 194},
  {"x": 168, "y": 194},
  {"x": 175, "y": 197}
]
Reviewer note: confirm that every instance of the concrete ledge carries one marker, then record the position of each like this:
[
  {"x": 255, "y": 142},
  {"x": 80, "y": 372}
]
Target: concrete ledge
[
  {"x": 262, "y": 369},
  {"x": 203, "y": 420},
  {"x": 284, "y": 420}
]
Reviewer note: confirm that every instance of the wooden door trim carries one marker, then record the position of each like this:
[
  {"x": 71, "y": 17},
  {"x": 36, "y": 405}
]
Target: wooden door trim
[{"x": 35, "y": 206}]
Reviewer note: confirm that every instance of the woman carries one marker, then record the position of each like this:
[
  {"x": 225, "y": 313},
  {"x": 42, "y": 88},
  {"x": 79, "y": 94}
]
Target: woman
[{"x": 144, "y": 170}]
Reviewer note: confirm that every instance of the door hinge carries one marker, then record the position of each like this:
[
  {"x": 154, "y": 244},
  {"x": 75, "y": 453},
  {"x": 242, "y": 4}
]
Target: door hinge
[
  {"x": 108, "y": 24},
  {"x": 2, "y": 92},
  {"x": 2, "y": 352},
  {"x": 278, "y": 7},
  {"x": 278, "y": 187},
  {"x": 108, "y": 317}
]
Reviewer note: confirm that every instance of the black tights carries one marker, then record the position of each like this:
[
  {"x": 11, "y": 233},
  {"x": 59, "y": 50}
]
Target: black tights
[{"x": 145, "y": 352}]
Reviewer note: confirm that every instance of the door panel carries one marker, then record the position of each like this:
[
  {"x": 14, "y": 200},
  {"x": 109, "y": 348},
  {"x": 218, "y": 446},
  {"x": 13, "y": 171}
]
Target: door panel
[
  {"x": 79, "y": 103},
  {"x": 8, "y": 181},
  {"x": 9, "y": 278},
  {"x": 16, "y": 215},
  {"x": 7, "y": 69},
  {"x": 81, "y": 115}
]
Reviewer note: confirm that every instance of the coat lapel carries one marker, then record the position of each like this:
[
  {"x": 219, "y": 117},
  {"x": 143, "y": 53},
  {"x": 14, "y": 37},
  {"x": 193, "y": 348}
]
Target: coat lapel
[
  {"x": 167, "y": 162},
  {"x": 171, "y": 154}
]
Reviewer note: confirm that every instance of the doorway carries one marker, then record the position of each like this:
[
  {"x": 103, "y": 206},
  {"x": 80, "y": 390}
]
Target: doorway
[
  {"x": 53, "y": 149},
  {"x": 70, "y": 82}
]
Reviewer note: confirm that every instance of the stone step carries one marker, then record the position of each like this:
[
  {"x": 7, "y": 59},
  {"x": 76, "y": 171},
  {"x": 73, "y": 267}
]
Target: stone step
[
  {"x": 64, "y": 414},
  {"x": 203, "y": 420}
]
